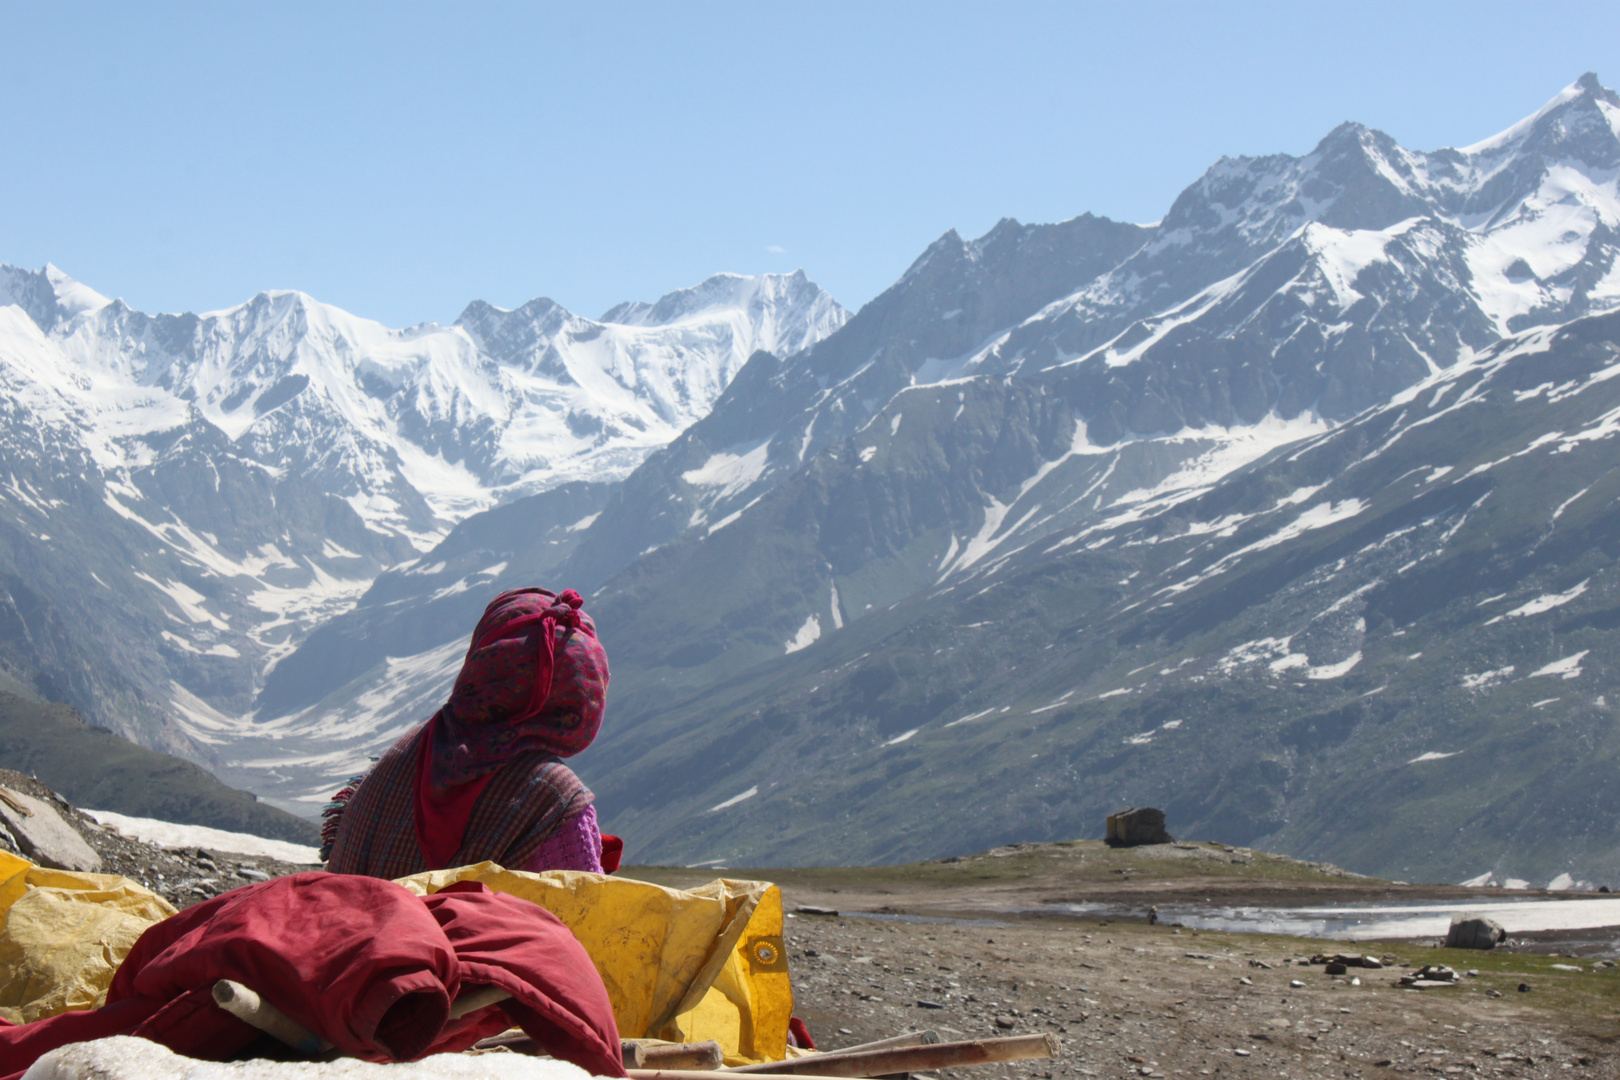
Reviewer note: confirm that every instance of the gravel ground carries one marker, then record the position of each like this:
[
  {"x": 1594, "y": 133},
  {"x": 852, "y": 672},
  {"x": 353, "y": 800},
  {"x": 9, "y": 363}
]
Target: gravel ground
[
  {"x": 962, "y": 947},
  {"x": 182, "y": 876},
  {"x": 1134, "y": 1001}
]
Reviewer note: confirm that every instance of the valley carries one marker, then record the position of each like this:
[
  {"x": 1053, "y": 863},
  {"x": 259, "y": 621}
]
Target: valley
[{"x": 1291, "y": 512}]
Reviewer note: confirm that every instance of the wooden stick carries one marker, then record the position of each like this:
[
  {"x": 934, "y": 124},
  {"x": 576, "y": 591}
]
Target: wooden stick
[
  {"x": 703, "y": 1056},
  {"x": 945, "y": 1055},
  {"x": 471, "y": 1000},
  {"x": 250, "y": 1008},
  {"x": 631, "y": 1052},
  {"x": 520, "y": 1043},
  {"x": 910, "y": 1038}
]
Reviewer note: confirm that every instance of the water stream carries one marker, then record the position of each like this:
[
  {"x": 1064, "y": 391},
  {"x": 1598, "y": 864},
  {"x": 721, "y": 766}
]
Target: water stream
[{"x": 1361, "y": 922}]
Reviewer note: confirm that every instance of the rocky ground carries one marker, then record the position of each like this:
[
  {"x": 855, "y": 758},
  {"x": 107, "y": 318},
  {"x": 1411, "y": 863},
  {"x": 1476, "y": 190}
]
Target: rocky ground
[
  {"x": 983, "y": 946},
  {"x": 975, "y": 947},
  {"x": 182, "y": 876}
]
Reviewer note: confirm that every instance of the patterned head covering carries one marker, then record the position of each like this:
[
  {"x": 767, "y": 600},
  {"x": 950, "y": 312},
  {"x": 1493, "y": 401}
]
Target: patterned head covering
[{"x": 535, "y": 678}]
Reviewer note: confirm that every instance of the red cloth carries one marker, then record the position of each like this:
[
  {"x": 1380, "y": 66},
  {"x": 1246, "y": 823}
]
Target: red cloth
[
  {"x": 360, "y": 961},
  {"x": 612, "y": 852},
  {"x": 441, "y": 817}
]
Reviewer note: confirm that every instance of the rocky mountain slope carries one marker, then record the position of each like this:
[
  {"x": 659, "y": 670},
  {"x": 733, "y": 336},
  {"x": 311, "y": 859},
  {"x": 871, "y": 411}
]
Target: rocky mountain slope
[
  {"x": 1388, "y": 645},
  {"x": 1071, "y": 515},
  {"x": 969, "y": 507},
  {"x": 187, "y": 496},
  {"x": 93, "y": 767}
]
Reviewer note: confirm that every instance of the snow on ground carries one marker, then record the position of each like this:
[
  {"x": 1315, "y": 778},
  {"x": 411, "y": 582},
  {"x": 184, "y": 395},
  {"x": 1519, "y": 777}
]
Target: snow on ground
[
  {"x": 1484, "y": 680},
  {"x": 970, "y": 717},
  {"x": 807, "y": 635},
  {"x": 1333, "y": 671},
  {"x": 170, "y": 834},
  {"x": 1382, "y": 921},
  {"x": 1545, "y": 602},
  {"x": 731, "y": 473},
  {"x": 1568, "y": 668},
  {"x": 125, "y": 1057},
  {"x": 735, "y": 799}
]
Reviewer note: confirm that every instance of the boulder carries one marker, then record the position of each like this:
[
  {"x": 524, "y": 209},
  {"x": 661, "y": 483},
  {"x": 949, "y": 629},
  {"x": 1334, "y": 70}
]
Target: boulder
[
  {"x": 1135, "y": 826},
  {"x": 43, "y": 836},
  {"x": 1469, "y": 931}
]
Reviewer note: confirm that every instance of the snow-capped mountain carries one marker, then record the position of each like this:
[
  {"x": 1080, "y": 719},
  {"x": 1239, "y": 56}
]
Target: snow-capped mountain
[
  {"x": 1538, "y": 203},
  {"x": 271, "y": 459},
  {"x": 1391, "y": 643},
  {"x": 1045, "y": 407},
  {"x": 1098, "y": 492}
]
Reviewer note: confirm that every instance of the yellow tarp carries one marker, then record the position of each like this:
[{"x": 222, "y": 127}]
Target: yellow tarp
[
  {"x": 680, "y": 964},
  {"x": 64, "y": 934}
]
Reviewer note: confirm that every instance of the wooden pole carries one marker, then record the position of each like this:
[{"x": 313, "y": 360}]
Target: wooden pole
[
  {"x": 470, "y": 1000},
  {"x": 250, "y": 1008},
  {"x": 945, "y": 1055},
  {"x": 702, "y": 1056},
  {"x": 910, "y": 1038}
]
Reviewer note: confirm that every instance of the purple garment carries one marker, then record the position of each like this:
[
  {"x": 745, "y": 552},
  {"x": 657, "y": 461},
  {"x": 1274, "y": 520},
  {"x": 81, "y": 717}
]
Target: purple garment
[{"x": 576, "y": 845}]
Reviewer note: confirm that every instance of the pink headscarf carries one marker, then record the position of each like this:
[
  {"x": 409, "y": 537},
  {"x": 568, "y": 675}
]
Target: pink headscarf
[{"x": 535, "y": 678}]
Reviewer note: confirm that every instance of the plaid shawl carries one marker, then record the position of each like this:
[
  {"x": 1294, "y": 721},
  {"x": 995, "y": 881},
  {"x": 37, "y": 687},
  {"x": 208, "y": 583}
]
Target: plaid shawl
[{"x": 525, "y": 802}]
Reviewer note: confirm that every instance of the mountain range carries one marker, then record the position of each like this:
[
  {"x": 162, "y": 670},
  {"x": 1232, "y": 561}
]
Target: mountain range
[{"x": 1290, "y": 513}]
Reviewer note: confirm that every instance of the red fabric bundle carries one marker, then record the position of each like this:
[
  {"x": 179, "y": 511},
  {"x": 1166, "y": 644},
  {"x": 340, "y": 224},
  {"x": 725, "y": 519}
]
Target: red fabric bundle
[{"x": 360, "y": 961}]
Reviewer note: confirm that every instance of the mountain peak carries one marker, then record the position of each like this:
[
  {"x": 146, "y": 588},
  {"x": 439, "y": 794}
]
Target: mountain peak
[
  {"x": 49, "y": 296},
  {"x": 722, "y": 290},
  {"x": 1582, "y": 120}
]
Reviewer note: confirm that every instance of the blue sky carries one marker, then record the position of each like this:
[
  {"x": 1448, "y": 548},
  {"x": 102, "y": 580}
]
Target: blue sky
[{"x": 401, "y": 159}]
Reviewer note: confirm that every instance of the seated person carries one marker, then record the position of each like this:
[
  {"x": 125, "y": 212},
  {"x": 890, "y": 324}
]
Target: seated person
[{"x": 483, "y": 778}]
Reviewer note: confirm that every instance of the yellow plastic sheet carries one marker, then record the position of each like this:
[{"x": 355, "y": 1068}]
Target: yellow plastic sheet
[
  {"x": 63, "y": 936},
  {"x": 679, "y": 964}
]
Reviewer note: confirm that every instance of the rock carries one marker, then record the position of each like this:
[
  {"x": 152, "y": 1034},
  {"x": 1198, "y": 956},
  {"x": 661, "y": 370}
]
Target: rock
[
  {"x": 925, "y": 1004},
  {"x": 43, "y": 836},
  {"x": 1336, "y": 967},
  {"x": 807, "y": 909},
  {"x": 1524, "y": 988},
  {"x": 1429, "y": 977},
  {"x": 1470, "y": 931},
  {"x": 1296, "y": 984},
  {"x": 1135, "y": 826},
  {"x": 1006, "y": 1023}
]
